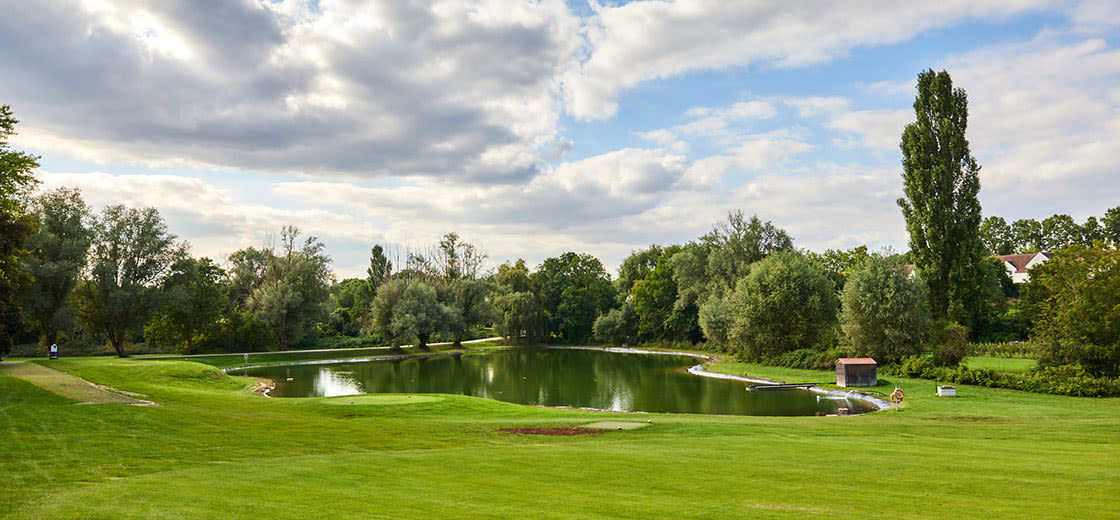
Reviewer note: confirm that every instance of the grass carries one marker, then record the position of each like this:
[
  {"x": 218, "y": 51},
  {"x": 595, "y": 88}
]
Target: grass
[
  {"x": 212, "y": 449},
  {"x": 1001, "y": 364}
]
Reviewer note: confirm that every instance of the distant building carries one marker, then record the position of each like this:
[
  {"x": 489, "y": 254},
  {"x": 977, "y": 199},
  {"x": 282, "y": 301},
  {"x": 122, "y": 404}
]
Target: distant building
[{"x": 1018, "y": 265}]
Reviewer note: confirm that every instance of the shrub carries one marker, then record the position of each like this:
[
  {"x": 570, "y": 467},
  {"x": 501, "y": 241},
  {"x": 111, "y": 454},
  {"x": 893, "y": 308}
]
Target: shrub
[
  {"x": 885, "y": 314},
  {"x": 617, "y": 327},
  {"x": 950, "y": 343}
]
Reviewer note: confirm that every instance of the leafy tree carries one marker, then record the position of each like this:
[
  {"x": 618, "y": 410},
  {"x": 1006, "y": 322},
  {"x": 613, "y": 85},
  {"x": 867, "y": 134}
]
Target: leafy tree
[
  {"x": 352, "y": 298},
  {"x": 1060, "y": 231},
  {"x": 738, "y": 243},
  {"x": 380, "y": 268},
  {"x": 574, "y": 290},
  {"x": 838, "y": 263},
  {"x": 513, "y": 277},
  {"x": 618, "y": 326},
  {"x": 785, "y": 303},
  {"x": 293, "y": 289},
  {"x": 1028, "y": 236},
  {"x": 941, "y": 206},
  {"x": 57, "y": 255},
  {"x": 455, "y": 259},
  {"x": 17, "y": 179},
  {"x": 131, "y": 253},
  {"x": 997, "y": 236},
  {"x": 419, "y": 314},
  {"x": 636, "y": 267},
  {"x": 17, "y": 169},
  {"x": 653, "y": 298},
  {"x": 1111, "y": 225},
  {"x": 523, "y": 317},
  {"x": 381, "y": 310},
  {"x": 470, "y": 306},
  {"x": 1074, "y": 299},
  {"x": 715, "y": 319},
  {"x": 1092, "y": 232},
  {"x": 885, "y": 311},
  {"x": 193, "y": 301}
]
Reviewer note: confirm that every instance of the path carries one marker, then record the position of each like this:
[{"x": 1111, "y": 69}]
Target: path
[
  {"x": 66, "y": 385},
  {"x": 318, "y": 350}
]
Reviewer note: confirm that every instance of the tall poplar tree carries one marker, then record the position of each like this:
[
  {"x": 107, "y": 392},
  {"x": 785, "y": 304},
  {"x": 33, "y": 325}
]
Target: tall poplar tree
[{"x": 941, "y": 207}]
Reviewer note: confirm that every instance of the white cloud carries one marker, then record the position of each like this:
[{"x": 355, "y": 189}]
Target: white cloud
[
  {"x": 645, "y": 40},
  {"x": 453, "y": 89}
]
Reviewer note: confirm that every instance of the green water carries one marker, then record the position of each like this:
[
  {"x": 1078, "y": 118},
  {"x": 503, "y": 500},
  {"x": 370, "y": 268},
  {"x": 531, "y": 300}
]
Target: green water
[{"x": 624, "y": 382}]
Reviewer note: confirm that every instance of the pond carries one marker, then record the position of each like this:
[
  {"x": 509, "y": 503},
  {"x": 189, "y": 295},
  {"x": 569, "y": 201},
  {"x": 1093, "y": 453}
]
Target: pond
[{"x": 582, "y": 378}]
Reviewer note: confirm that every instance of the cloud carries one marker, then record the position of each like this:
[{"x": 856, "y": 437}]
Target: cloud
[
  {"x": 454, "y": 89},
  {"x": 711, "y": 34}
]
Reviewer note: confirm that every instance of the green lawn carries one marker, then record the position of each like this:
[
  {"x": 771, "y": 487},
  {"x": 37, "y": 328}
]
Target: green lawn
[
  {"x": 1000, "y": 364},
  {"x": 213, "y": 450}
]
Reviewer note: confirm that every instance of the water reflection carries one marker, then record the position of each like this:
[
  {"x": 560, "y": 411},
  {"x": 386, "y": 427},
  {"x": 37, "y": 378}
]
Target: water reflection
[{"x": 554, "y": 377}]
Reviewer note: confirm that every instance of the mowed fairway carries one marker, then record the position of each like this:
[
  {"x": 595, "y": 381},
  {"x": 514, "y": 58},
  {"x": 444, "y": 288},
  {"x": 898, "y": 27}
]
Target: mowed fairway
[{"x": 211, "y": 449}]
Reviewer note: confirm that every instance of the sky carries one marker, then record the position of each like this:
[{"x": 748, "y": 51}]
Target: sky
[{"x": 531, "y": 128}]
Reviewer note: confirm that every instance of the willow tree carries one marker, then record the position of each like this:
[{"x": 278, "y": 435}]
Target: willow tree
[{"x": 941, "y": 206}]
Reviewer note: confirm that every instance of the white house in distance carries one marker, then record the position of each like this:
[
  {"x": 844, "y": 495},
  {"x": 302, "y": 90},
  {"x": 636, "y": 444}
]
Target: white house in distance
[{"x": 1018, "y": 265}]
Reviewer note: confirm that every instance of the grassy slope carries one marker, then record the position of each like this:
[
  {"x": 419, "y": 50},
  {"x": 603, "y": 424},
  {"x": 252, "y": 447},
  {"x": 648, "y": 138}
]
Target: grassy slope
[{"x": 214, "y": 450}]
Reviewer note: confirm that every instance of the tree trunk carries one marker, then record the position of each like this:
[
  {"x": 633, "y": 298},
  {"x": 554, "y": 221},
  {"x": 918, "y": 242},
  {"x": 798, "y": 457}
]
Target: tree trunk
[{"x": 423, "y": 341}]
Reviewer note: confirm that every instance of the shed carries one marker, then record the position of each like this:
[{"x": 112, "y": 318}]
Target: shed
[{"x": 856, "y": 372}]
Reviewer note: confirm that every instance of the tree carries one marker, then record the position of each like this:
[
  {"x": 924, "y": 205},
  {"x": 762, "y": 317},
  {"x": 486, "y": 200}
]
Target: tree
[
  {"x": 885, "y": 312},
  {"x": 57, "y": 254},
  {"x": 941, "y": 206},
  {"x": 785, "y": 303},
  {"x": 574, "y": 290},
  {"x": 191, "y": 306},
  {"x": 636, "y": 267},
  {"x": 380, "y": 268},
  {"x": 470, "y": 306},
  {"x": 1028, "y": 236},
  {"x": 131, "y": 253},
  {"x": 419, "y": 314},
  {"x": 1060, "y": 231},
  {"x": 17, "y": 179},
  {"x": 381, "y": 310},
  {"x": 1111, "y": 225},
  {"x": 523, "y": 318},
  {"x": 455, "y": 259},
  {"x": 1074, "y": 299},
  {"x": 513, "y": 277},
  {"x": 997, "y": 236},
  {"x": 618, "y": 326},
  {"x": 294, "y": 287},
  {"x": 352, "y": 298},
  {"x": 738, "y": 243}
]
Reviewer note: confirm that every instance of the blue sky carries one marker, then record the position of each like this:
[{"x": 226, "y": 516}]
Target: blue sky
[{"x": 536, "y": 127}]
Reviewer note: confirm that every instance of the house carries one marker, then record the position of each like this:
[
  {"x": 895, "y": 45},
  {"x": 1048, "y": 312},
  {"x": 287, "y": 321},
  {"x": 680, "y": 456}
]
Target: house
[{"x": 1018, "y": 265}]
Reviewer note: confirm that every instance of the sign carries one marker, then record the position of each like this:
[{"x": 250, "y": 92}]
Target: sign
[{"x": 54, "y": 351}]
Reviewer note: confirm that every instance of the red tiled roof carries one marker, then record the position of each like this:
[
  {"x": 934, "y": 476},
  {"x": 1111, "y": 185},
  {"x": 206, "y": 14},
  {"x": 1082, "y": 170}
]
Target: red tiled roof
[
  {"x": 856, "y": 361},
  {"x": 1019, "y": 262}
]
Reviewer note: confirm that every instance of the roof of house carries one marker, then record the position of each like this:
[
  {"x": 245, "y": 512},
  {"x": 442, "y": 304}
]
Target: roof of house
[
  {"x": 856, "y": 361},
  {"x": 1019, "y": 262}
]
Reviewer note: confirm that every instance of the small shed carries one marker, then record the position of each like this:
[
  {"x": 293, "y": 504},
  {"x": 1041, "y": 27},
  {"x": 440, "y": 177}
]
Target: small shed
[{"x": 856, "y": 372}]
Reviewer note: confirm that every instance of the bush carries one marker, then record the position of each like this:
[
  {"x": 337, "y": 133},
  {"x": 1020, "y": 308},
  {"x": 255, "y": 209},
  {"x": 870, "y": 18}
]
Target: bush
[
  {"x": 617, "y": 327},
  {"x": 1060, "y": 380},
  {"x": 885, "y": 314},
  {"x": 950, "y": 343},
  {"x": 785, "y": 303}
]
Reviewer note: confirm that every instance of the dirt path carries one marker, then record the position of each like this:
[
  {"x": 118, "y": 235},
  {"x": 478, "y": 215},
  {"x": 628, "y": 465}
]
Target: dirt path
[{"x": 66, "y": 385}]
